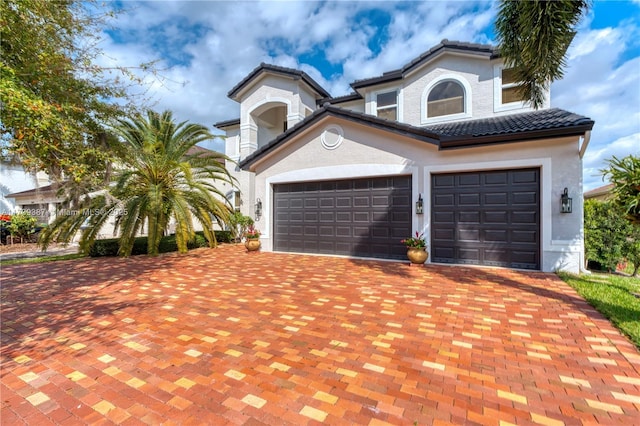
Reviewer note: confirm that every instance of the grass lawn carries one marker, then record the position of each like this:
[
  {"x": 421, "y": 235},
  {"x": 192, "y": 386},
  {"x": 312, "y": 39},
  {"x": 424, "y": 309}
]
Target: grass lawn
[
  {"x": 612, "y": 295},
  {"x": 42, "y": 259}
]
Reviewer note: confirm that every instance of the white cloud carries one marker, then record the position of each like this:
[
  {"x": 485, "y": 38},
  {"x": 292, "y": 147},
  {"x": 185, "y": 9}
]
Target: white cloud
[{"x": 216, "y": 44}]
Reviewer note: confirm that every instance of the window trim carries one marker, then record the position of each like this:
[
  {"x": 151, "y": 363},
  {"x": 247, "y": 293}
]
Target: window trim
[
  {"x": 466, "y": 89},
  {"x": 374, "y": 101},
  {"x": 498, "y": 106}
]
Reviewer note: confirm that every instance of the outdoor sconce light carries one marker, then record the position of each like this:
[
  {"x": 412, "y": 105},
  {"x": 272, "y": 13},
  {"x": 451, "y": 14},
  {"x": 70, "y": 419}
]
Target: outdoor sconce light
[
  {"x": 258, "y": 209},
  {"x": 419, "y": 205},
  {"x": 565, "y": 202}
]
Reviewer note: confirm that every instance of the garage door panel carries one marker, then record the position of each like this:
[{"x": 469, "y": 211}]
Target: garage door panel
[
  {"x": 468, "y": 235},
  {"x": 526, "y": 176},
  {"x": 496, "y": 235},
  {"x": 468, "y": 199},
  {"x": 468, "y": 254},
  {"x": 444, "y": 217},
  {"x": 380, "y": 201},
  {"x": 524, "y": 236},
  {"x": 380, "y": 217},
  {"x": 444, "y": 200},
  {"x": 343, "y": 202},
  {"x": 310, "y": 231},
  {"x": 447, "y": 254},
  {"x": 469, "y": 180},
  {"x": 343, "y": 231},
  {"x": 444, "y": 234},
  {"x": 465, "y": 217},
  {"x": 529, "y": 198},
  {"x": 496, "y": 199},
  {"x": 524, "y": 217},
  {"x": 360, "y": 201},
  {"x": 329, "y": 217},
  {"x": 310, "y": 217},
  {"x": 343, "y": 217},
  {"x": 362, "y": 217},
  {"x": 327, "y": 232},
  {"x": 496, "y": 178},
  {"x": 496, "y": 223},
  {"x": 327, "y": 203},
  {"x": 495, "y": 217}
]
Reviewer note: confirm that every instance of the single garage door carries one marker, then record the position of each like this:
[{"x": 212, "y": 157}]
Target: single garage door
[
  {"x": 355, "y": 217},
  {"x": 486, "y": 218}
]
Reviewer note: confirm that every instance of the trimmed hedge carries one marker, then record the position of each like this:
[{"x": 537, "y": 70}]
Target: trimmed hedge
[{"x": 109, "y": 247}]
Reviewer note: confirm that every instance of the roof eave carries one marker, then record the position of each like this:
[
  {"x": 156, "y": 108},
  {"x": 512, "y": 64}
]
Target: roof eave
[{"x": 468, "y": 141}]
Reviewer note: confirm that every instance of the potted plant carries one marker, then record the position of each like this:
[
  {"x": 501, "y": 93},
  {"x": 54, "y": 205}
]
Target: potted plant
[
  {"x": 252, "y": 238},
  {"x": 416, "y": 248}
]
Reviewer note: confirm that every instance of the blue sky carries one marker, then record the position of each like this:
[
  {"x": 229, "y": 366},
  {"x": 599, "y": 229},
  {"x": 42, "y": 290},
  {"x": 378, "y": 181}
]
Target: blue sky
[{"x": 206, "y": 47}]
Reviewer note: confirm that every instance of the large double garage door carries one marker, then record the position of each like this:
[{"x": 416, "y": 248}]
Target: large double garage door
[
  {"x": 354, "y": 217},
  {"x": 484, "y": 218}
]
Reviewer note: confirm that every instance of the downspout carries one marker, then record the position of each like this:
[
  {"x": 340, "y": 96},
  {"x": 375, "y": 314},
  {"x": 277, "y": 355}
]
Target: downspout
[{"x": 585, "y": 143}]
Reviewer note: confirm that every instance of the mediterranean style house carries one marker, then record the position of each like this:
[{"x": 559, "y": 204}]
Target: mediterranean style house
[{"x": 442, "y": 146}]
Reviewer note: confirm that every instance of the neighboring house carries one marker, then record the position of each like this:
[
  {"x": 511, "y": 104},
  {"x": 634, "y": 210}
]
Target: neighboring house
[
  {"x": 14, "y": 179},
  {"x": 344, "y": 175},
  {"x": 602, "y": 193},
  {"x": 42, "y": 202},
  {"x": 45, "y": 202}
]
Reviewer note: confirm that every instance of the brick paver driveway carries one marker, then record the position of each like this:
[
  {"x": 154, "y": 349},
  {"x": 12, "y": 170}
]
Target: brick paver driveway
[{"x": 227, "y": 337}]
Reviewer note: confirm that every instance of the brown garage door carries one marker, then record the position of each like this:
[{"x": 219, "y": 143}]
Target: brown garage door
[
  {"x": 486, "y": 218},
  {"x": 361, "y": 217}
]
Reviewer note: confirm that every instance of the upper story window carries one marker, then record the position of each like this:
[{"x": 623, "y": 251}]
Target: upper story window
[
  {"x": 445, "y": 98},
  {"x": 509, "y": 87},
  {"x": 505, "y": 90},
  {"x": 387, "y": 105}
]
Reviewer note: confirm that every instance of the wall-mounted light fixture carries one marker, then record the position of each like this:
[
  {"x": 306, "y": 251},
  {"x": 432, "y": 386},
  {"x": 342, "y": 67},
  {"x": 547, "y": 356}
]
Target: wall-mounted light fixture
[
  {"x": 566, "y": 203},
  {"x": 419, "y": 205},
  {"x": 258, "y": 209}
]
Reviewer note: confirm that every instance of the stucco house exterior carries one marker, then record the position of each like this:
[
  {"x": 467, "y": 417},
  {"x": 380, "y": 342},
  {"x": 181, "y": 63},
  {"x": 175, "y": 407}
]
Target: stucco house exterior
[{"x": 442, "y": 146}]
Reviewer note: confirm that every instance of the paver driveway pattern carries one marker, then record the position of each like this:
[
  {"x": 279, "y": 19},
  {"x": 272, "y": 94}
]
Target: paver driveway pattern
[{"x": 228, "y": 337}]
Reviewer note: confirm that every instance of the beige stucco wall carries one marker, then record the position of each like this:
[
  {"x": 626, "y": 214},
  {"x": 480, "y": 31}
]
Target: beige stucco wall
[{"x": 366, "y": 152}]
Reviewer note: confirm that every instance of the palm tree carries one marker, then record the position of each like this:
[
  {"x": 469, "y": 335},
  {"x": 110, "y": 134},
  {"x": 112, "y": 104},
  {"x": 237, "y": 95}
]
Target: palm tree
[
  {"x": 161, "y": 176},
  {"x": 534, "y": 36}
]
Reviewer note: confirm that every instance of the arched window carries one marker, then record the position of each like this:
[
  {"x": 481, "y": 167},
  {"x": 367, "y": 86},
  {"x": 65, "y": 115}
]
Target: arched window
[{"x": 445, "y": 98}]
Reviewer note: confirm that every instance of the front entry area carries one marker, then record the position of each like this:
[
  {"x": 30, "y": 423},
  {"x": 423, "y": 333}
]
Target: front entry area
[
  {"x": 352, "y": 217},
  {"x": 487, "y": 218}
]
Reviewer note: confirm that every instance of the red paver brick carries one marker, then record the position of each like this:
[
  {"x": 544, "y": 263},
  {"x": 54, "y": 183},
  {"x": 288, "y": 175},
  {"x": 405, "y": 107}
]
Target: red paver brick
[{"x": 393, "y": 344}]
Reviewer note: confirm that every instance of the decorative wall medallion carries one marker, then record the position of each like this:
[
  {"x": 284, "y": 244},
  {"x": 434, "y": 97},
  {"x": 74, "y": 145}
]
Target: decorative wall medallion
[{"x": 332, "y": 137}]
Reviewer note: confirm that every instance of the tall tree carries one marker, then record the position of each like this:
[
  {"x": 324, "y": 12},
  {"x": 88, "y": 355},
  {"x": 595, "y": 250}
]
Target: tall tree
[
  {"x": 533, "y": 38},
  {"x": 55, "y": 99},
  {"x": 160, "y": 175}
]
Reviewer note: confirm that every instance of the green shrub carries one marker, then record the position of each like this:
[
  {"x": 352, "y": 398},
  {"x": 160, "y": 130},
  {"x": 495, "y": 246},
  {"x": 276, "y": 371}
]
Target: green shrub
[
  {"x": 604, "y": 227},
  {"x": 109, "y": 247},
  {"x": 22, "y": 225}
]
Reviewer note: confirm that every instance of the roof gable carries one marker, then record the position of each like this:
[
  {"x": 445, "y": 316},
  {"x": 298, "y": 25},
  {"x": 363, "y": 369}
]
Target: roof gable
[
  {"x": 445, "y": 46},
  {"x": 263, "y": 69}
]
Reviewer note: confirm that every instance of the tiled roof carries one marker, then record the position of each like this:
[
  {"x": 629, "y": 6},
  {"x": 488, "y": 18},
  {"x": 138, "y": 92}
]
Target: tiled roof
[
  {"x": 509, "y": 128},
  {"x": 444, "y": 46},
  {"x": 227, "y": 123},
  {"x": 289, "y": 72},
  {"x": 530, "y": 125},
  {"x": 339, "y": 99}
]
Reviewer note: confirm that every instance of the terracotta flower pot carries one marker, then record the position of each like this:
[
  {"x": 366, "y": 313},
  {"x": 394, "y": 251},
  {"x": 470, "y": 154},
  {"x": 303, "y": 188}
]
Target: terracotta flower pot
[
  {"x": 252, "y": 244},
  {"x": 417, "y": 255}
]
